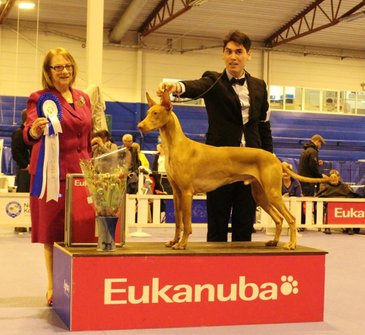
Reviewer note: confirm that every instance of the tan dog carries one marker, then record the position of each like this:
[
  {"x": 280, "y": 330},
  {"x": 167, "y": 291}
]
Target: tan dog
[{"x": 193, "y": 167}]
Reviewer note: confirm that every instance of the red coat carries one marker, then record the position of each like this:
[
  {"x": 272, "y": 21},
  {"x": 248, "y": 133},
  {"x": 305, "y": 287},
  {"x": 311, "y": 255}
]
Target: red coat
[{"x": 75, "y": 144}]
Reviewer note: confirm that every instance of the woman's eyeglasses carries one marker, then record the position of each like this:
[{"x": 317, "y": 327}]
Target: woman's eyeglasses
[{"x": 59, "y": 68}]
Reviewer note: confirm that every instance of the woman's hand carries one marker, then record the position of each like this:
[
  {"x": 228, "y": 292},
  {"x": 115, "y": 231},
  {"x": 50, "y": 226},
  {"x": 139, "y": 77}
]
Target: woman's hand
[
  {"x": 97, "y": 141},
  {"x": 37, "y": 128}
]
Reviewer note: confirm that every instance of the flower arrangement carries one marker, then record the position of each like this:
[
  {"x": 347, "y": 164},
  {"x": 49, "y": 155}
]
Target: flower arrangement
[{"x": 105, "y": 178}]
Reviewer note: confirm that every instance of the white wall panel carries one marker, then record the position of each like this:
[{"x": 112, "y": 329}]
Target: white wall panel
[
  {"x": 20, "y": 73},
  {"x": 316, "y": 71}
]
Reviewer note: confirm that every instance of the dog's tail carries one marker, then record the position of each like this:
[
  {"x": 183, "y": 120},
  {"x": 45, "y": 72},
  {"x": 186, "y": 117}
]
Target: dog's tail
[{"x": 287, "y": 168}]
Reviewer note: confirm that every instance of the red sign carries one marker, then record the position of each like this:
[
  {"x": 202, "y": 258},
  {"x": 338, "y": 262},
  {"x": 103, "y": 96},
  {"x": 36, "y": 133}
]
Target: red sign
[
  {"x": 182, "y": 291},
  {"x": 83, "y": 215},
  {"x": 346, "y": 213}
]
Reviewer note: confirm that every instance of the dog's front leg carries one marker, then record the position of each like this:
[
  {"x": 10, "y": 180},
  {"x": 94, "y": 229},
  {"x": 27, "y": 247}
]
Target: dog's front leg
[
  {"x": 178, "y": 219},
  {"x": 186, "y": 204}
]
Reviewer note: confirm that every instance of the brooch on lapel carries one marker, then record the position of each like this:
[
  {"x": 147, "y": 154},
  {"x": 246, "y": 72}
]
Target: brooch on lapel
[{"x": 80, "y": 102}]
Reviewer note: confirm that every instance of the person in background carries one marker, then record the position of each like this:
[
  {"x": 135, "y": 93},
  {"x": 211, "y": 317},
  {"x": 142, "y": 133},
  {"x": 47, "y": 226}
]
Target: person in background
[
  {"x": 159, "y": 172},
  {"x": 290, "y": 186},
  {"x": 102, "y": 143},
  {"x": 60, "y": 115},
  {"x": 135, "y": 163},
  {"x": 20, "y": 152},
  {"x": 309, "y": 164},
  {"x": 127, "y": 140},
  {"x": 335, "y": 188},
  {"x": 142, "y": 157},
  {"x": 21, "y": 155},
  {"x": 238, "y": 115}
]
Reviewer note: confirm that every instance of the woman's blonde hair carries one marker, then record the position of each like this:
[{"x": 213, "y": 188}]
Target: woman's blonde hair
[{"x": 46, "y": 70}]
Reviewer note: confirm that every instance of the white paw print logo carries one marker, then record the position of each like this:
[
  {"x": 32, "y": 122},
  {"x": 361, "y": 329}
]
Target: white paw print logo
[{"x": 289, "y": 285}]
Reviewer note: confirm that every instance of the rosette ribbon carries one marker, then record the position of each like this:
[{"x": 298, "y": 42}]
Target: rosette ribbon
[{"x": 47, "y": 177}]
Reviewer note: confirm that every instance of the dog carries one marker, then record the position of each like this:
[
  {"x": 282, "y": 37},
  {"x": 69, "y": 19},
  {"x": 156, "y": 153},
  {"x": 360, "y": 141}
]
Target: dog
[{"x": 194, "y": 167}]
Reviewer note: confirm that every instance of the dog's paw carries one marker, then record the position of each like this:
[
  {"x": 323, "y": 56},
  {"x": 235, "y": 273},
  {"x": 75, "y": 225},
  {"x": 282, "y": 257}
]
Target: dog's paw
[
  {"x": 179, "y": 246},
  {"x": 272, "y": 243},
  {"x": 170, "y": 244},
  {"x": 289, "y": 246}
]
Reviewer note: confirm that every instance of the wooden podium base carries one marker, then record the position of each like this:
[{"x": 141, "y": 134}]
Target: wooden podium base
[{"x": 146, "y": 285}]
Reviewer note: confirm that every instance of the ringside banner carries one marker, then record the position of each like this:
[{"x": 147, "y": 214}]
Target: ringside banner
[
  {"x": 185, "y": 291},
  {"x": 346, "y": 213}
]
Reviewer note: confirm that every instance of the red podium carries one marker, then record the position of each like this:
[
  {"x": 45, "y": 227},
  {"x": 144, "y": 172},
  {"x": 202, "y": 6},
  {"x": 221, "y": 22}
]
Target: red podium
[{"x": 146, "y": 285}]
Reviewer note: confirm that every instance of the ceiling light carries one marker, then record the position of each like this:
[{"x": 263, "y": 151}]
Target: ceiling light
[
  {"x": 352, "y": 17},
  {"x": 26, "y": 5}
]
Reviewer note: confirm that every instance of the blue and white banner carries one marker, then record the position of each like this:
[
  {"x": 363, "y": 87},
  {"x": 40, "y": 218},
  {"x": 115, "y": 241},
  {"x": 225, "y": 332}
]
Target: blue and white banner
[{"x": 47, "y": 177}]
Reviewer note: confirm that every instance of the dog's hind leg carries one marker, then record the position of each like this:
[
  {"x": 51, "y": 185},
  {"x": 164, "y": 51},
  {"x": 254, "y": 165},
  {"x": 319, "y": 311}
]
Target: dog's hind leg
[
  {"x": 262, "y": 199},
  {"x": 278, "y": 219},
  {"x": 280, "y": 207}
]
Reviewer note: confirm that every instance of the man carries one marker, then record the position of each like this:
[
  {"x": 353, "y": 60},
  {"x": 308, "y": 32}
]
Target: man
[
  {"x": 21, "y": 155},
  {"x": 127, "y": 140},
  {"x": 237, "y": 109},
  {"x": 135, "y": 163},
  {"x": 309, "y": 163},
  {"x": 20, "y": 152}
]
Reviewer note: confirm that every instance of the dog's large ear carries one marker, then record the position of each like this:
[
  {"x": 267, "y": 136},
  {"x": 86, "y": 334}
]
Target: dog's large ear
[
  {"x": 149, "y": 100},
  {"x": 165, "y": 101}
]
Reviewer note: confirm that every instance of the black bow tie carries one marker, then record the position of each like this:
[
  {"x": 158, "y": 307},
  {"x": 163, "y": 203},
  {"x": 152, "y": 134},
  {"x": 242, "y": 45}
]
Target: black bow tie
[{"x": 234, "y": 81}]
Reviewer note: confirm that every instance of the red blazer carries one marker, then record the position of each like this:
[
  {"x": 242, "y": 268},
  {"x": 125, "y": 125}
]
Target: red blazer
[{"x": 75, "y": 139}]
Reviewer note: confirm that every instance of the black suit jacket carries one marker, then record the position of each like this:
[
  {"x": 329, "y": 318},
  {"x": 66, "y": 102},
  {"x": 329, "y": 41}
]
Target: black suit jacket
[{"x": 225, "y": 125}]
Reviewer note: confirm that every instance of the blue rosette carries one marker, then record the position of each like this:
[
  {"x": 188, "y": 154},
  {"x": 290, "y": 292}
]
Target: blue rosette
[{"x": 50, "y": 107}]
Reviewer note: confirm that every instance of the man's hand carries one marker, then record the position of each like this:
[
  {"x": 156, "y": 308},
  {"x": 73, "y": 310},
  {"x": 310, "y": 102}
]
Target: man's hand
[{"x": 171, "y": 87}]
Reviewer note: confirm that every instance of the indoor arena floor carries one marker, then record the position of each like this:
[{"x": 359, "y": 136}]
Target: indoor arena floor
[{"x": 23, "y": 307}]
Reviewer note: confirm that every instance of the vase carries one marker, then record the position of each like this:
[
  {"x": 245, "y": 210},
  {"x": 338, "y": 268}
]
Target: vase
[{"x": 106, "y": 232}]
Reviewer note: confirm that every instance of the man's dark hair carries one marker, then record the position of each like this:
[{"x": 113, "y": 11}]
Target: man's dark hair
[{"x": 238, "y": 37}]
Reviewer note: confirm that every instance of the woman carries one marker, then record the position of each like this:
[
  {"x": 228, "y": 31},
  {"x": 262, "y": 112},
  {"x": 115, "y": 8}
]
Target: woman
[
  {"x": 59, "y": 118},
  {"x": 102, "y": 143}
]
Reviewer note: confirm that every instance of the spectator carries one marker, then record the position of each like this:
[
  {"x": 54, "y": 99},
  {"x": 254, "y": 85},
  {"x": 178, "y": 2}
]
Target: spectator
[
  {"x": 159, "y": 171},
  {"x": 127, "y": 140},
  {"x": 135, "y": 163},
  {"x": 335, "y": 188},
  {"x": 102, "y": 143},
  {"x": 21, "y": 155},
  {"x": 290, "y": 187},
  {"x": 142, "y": 157},
  {"x": 64, "y": 110},
  {"x": 238, "y": 115},
  {"x": 309, "y": 164}
]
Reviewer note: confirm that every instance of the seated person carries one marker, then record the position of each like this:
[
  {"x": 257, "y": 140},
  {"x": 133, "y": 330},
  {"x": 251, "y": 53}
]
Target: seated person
[
  {"x": 290, "y": 187},
  {"x": 335, "y": 188}
]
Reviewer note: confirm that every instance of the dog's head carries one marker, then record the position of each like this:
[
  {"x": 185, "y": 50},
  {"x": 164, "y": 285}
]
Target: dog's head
[{"x": 157, "y": 115}]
